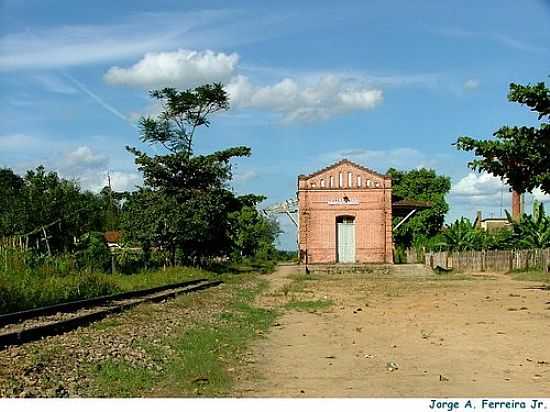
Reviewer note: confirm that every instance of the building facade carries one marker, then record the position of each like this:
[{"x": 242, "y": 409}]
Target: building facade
[{"x": 345, "y": 215}]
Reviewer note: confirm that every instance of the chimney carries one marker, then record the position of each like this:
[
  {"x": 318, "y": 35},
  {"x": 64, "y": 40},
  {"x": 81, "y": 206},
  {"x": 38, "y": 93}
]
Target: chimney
[
  {"x": 516, "y": 205},
  {"x": 478, "y": 219}
]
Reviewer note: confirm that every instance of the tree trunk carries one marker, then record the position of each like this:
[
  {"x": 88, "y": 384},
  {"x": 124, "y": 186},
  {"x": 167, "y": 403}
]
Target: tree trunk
[{"x": 516, "y": 205}]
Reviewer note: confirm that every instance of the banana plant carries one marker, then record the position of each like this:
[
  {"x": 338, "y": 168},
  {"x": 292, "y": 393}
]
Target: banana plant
[
  {"x": 531, "y": 232},
  {"x": 461, "y": 235}
]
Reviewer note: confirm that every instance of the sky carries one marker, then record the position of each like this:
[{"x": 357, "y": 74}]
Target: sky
[{"x": 382, "y": 83}]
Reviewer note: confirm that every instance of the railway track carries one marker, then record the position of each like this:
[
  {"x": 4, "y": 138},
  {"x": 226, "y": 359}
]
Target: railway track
[{"x": 33, "y": 324}]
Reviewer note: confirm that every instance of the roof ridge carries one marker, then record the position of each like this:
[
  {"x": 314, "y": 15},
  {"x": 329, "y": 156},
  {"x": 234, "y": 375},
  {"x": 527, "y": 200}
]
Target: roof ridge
[{"x": 338, "y": 163}]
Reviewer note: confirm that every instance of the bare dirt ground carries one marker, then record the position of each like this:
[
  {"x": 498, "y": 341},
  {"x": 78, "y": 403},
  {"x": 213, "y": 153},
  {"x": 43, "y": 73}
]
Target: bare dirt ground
[{"x": 410, "y": 337}]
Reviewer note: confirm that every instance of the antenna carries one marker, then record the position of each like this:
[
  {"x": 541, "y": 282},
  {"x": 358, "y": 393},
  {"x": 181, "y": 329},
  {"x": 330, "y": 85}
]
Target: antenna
[{"x": 110, "y": 197}]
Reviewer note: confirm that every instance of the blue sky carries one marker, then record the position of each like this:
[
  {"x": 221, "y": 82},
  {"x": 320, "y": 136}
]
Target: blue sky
[{"x": 384, "y": 83}]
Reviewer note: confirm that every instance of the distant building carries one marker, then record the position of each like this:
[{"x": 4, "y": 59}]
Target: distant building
[{"x": 491, "y": 224}]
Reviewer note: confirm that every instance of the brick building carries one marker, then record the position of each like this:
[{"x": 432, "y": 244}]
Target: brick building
[{"x": 345, "y": 215}]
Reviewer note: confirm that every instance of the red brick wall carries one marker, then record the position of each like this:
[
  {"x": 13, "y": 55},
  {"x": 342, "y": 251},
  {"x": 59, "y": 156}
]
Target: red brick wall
[{"x": 369, "y": 204}]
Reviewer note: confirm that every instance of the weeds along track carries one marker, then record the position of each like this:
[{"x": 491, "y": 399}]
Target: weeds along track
[{"x": 25, "y": 326}]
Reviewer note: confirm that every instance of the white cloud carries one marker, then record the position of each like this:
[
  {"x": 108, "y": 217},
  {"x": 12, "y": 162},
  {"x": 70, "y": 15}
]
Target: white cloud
[
  {"x": 84, "y": 157},
  {"x": 244, "y": 176},
  {"x": 181, "y": 68},
  {"x": 90, "y": 169},
  {"x": 328, "y": 96},
  {"x": 72, "y": 45},
  {"x": 486, "y": 193},
  {"x": 541, "y": 196},
  {"x": 471, "y": 84},
  {"x": 17, "y": 142},
  {"x": 121, "y": 181},
  {"x": 478, "y": 186}
]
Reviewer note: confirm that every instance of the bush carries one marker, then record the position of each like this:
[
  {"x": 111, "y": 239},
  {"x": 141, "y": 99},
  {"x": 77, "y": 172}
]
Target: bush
[{"x": 93, "y": 254}]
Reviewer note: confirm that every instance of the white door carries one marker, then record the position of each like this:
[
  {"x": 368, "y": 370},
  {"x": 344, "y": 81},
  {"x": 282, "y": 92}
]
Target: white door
[{"x": 346, "y": 242}]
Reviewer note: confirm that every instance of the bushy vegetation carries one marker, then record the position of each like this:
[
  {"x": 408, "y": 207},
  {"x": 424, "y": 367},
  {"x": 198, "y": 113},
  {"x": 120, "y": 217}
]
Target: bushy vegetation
[
  {"x": 530, "y": 232},
  {"x": 423, "y": 185},
  {"x": 40, "y": 281},
  {"x": 52, "y": 244}
]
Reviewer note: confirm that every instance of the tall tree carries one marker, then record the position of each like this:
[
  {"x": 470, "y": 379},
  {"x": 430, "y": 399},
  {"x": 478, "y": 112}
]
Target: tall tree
[
  {"x": 520, "y": 155},
  {"x": 420, "y": 184},
  {"x": 185, "y": 203}
]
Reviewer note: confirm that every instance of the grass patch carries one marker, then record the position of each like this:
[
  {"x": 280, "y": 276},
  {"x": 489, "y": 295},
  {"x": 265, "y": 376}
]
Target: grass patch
[
  {"x": 27, "y": 290},
  {"x": 118, "y": 379},
  {"x": 107, "y": 323},
  {"x": 201, "y": 354},
  {"x": 532, "y": 276},
  {"x": 309, "y": 305},
  {"x": 303, "y": 277},
  {"x": 204, "y": 353},
  {"x": 455, "y": 276}
]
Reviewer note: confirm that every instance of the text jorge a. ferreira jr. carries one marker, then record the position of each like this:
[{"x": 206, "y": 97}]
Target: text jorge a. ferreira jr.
[{"x": 488, "y": 404}]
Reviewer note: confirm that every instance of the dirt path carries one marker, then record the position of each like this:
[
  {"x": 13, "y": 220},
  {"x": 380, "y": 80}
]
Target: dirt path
[{"x": 482, "y": 337}]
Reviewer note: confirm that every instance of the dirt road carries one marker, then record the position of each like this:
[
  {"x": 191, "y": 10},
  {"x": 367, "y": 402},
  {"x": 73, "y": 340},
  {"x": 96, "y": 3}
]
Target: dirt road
[{"x": 484, "y": 336}]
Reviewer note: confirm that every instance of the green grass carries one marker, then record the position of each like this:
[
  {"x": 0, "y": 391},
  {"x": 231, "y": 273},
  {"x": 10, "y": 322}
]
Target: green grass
[
  {"x": 19, "y": 291},
  {"x": 119, "y": 379},
  {"x": 309, "y": 305},
  {"x": 532, "y": 276},
  {"x": 202, "y": 354}
]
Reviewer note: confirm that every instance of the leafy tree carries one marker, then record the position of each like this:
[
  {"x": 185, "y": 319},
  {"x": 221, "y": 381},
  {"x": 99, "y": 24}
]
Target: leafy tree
[
  {"x": 183, "y": 112},
  {"x": 43, "y": 199},
  {"x": 420, "y": 184},
  {"x": 11, "y": 203},
  {"x": 254, "y": 234},
  {"x": 519, "y": 155},
  {"x": 185, "y": 204},
  {"x": 49, "y": 199}
]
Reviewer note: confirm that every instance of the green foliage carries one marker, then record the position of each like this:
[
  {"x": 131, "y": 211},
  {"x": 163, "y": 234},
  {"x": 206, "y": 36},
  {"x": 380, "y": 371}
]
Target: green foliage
[
  {"x": 12, "y": 219},
  {"x": 43, "y": 199},
  {"x": 118, "y": 378},
  {"x": 201, "y": 354},
  {"x": 92, "y": 254},
  {"x": 426, "y": 185},
  {"x": 531, "y": 232},
  {"x": 131, "y": 260},
  {"x": 519, "y": 155},
  {"x": 461, "y": 235},
  {"x": 186, "y": 207},
  {"x": 183, "y": 112},
  {"x": 29, "y": 280},
  {"x": 254, "y": 235}
]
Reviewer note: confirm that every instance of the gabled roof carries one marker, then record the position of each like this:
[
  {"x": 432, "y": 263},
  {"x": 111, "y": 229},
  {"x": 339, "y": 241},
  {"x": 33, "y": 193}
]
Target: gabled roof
[{"x": 340, "y": 163}]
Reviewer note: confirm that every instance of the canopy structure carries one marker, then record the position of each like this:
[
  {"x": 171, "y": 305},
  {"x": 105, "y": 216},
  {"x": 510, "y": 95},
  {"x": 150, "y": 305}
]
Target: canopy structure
[{"x": 406, "y": 208}]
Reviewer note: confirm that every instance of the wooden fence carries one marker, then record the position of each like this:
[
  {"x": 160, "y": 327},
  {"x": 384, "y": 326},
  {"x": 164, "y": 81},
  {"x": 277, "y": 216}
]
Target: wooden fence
[{"x": 490, "y": 260}]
